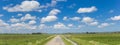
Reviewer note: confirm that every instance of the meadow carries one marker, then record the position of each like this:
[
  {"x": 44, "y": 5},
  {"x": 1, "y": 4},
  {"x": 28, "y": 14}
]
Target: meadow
[
  {"x": 24, "y": 39},
  {"x": 95, "y": 39}
]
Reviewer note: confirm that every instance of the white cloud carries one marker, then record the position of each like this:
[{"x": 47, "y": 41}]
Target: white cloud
[
  {"x": 3, "y": 24},
  {"x": 18, "y": 25},
  {"x": 28, "y": 17},
  {"x": 31, "y": 27},
  {"x": 23, "y": 26},
  {"x": 90, "y": 21},
  {"x": 94, "y": 23},
  {"x": 20, "y": 14},
  {"x": 32, "y": 22},
  {"x": 23, "y": 7},
  {"x": 103, "y": 25},
  {"x": 72, "y": 18},
  {"x": 33, "y": 5},
  {"x": 87, "y": 10},
  {"x": 75, "y": 18},
  {"x": 54, "y": 12},
  {"x": 48, "y": 19},
  {"x": 60, "y": 26},
  {"x": 70, "y": 25},
  {"x": 23, "y": 18},
  {"x": 43, "y": 26},
  {"x": 53, "y": 3},
  {"x": 87, "y": 20},
  {"x": 14, "y": 20},
  {"x": 80, "y": 26},
  {"x": 39, "y": 10},
  {"x": 65, "y": 18},
  {"x": 51, "y": 16},
  {"x": 115, "y": 18}
]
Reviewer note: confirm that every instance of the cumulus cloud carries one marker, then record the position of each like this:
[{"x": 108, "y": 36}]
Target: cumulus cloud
[
  {"x": 87, "y": 19},
  {"x": 53, "y": 3},
  {"x": 43, "y": 26},
  {"x": 28, "y": 17},
  {"x": 90, "y": 21},
  {"x": 94, "y": 23},
  {"x": 87, "y": 10},
  {"x": 65, "y": 18},
  {"x": 18, "y": 25},
  {"x": 75, "y": 18},
  {"x": 60, "y": 26},
  {"x": 48, "y": 19},
  {"x": 33, "y": 5},
  {"x": 115, "y": 18},
  {"x": 80, "y": 26},
  {"x": 51, "y": 16},
  {"x": 72, "y": 18},
  {"x": 25, "y": 6},
  {"x": 70, "y": 25},
  {"x": 32, "y": 27},
  {"x": 54, "y": 12},
  {"x": 32, "y": 22},
  {"x": 3, "y": 24},
  {"x": 23, "y": 26},
  {"x": 14, "y": 20},
  {"x": 19, "y": 14},
  {"x": 103, "y": 25}
]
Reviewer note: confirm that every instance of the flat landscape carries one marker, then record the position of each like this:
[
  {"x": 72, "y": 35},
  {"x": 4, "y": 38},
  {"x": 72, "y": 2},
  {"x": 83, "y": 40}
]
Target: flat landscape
[
  {"x": 59, "y": 22},
  {"x": 23, "y": 39},
  {"x": 63, "y": 39},
  {"x": 95, "y": 39}
]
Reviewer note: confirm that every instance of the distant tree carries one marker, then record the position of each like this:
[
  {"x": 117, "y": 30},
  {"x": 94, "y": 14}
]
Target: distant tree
[
  {"x": 36, "y": 33},
  {"x": 87, "y": 32}
]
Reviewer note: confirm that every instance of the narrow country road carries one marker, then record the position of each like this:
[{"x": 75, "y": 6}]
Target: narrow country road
[{"x": 56, "y": 41}]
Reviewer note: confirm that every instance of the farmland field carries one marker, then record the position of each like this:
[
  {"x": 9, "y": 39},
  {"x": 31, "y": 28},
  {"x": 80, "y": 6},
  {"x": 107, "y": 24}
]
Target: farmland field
[
  {"x": 24, "y": 39},
  {"x": 95, "y": 39}
]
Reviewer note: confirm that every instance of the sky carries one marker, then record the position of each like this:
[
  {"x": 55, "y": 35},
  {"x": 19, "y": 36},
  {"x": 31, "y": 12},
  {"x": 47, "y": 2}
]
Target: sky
[{"x": 59, "y": 16}]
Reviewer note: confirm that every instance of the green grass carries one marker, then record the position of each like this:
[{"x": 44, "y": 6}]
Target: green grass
[
  {"x": 23, "y": 39},
  {"x": 41, "y": 39},
  {"x": 66, "y": 42},
  {"x": 96, "y": 39}
]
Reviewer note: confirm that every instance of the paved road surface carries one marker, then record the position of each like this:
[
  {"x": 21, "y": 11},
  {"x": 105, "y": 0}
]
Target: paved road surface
[{"x": 56, "y": 41}]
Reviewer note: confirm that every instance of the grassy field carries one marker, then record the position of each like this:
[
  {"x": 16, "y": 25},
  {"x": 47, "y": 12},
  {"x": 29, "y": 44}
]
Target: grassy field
[
  {"x": 41, "y": 39},
  {"x": 24, "y": 39},
  {"x": 95, "y": 39},
  {"x": 66, "y": 41}
]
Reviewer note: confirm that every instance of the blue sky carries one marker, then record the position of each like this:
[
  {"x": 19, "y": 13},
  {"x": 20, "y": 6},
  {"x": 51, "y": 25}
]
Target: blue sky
[{"x": 59, "y": 16}]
